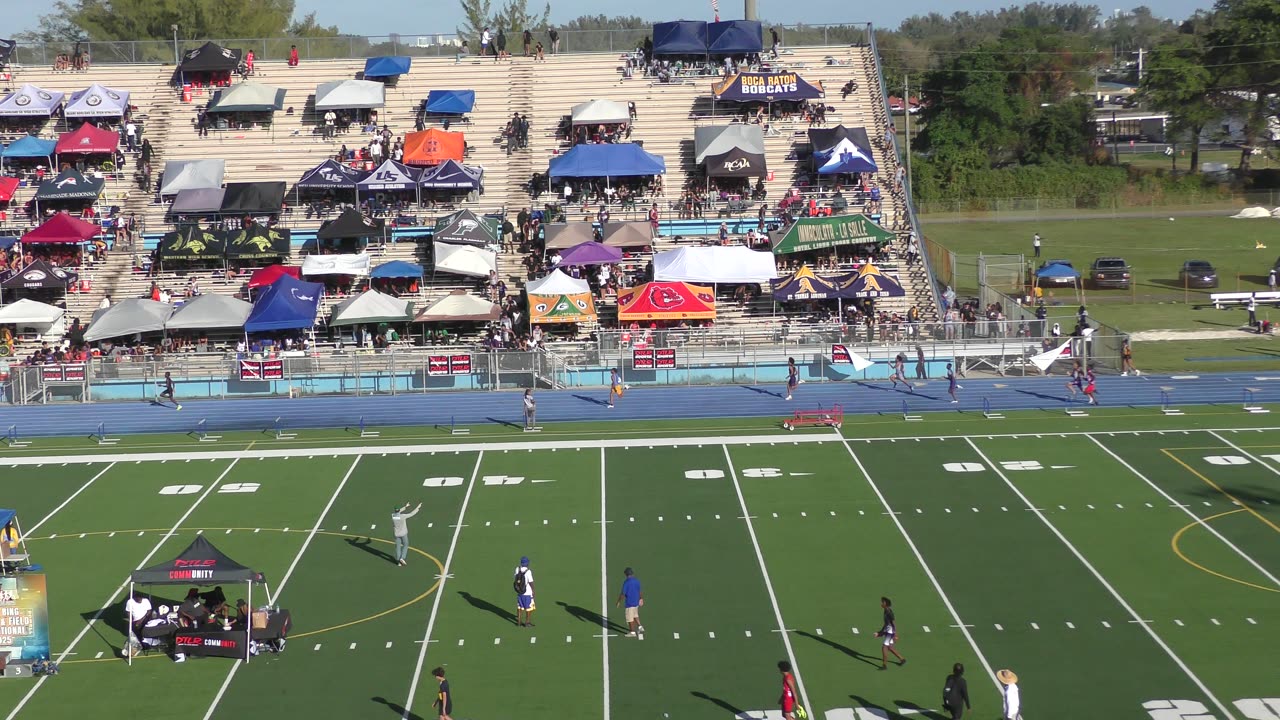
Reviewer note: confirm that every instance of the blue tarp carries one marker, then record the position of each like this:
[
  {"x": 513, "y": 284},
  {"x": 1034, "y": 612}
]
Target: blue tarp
[
  {"x": 30, "y": 147},
  {"x": 620, "y": 160},
  {"x": 287, "y": 304},
  {"x": 735, "y": 37},
  {"x": 6, "y": 516},
  {"x": 681, "y": 37},
  {"x": 1057, "y": 270},
  {"x": 397, "y": 269},
  {"x": 386, "y": 66},
  {"x": 450, "y": 102},
  {"x": 8, "y": 241}
]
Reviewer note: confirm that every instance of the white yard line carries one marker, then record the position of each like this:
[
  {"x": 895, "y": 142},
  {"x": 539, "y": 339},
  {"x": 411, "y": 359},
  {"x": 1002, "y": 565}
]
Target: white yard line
[
  {"x": 89, "y": 625},
  {"x": 768, "y": 584},
  {"x": 1244, "y": 452},
  {"x": 1111, "y": 589},
  {"x": 1199, "y": 521},
  {"x": 444, "y": 577},
  {"x": 604, "y": 586},
  {"x": 937, "y": 586},
  {"x": 285, "y": 580},
  {"x": 73, "y": 496}
]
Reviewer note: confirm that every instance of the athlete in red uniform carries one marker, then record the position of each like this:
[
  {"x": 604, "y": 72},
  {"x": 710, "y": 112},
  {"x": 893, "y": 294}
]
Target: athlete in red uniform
[{"x": 788, "y": 699}]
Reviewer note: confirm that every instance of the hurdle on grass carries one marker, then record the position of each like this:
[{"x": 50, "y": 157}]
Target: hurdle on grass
[
  {"x": 987, "y": 411},
  {"x": 100, "y": 435},
  {"x": 365, "y": 432},
  {"x": 1249, "y": 405},
  {"x": 12, "y": 440},
  {"x": 202, "y": 432},
  {"x": 1166, "y": 404},
  {"x": 281, "y": 434},
  {"x": 1075, "y": 412},
  {"x": 906, "y": 413},
  {"x": 454, "y": 429},
  {"x": 534, "y": 428}
]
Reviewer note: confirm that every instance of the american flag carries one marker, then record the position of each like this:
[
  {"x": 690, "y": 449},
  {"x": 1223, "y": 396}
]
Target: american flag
[{"x": 715, "y": 8}]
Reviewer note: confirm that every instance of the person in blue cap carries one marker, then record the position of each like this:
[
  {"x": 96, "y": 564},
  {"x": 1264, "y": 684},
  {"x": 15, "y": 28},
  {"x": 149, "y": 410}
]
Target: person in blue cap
[{"x": 523, "y": 585}]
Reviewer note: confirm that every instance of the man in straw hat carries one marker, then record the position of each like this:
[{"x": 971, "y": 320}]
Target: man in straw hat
[{"x": 1012, "y": 698}]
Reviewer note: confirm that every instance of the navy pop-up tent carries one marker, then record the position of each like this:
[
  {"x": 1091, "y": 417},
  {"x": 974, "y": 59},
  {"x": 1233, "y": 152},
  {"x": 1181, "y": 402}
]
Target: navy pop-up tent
[
  {"x": 452, "y": 175},
  {"x": 680, "y": 37},
  {"x": 614, "y": 160},
  {"x": 450, "y": 102},
  {"x": 331, "y": 175},
  {"x": 387, "y": 66},
  {"x": 841, "y": 150},
  {"x": 735, "y": 37},
  {"x": 767, "y": 87},
  {"x": 288, "y": 304}
]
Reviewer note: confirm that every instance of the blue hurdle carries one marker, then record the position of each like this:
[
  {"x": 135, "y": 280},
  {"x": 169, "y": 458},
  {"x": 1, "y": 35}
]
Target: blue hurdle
[
  {"x": 1166, "y": 404},
  {"x": 280, "y": 432},
  {"x": 365, "y": 432},
  {"x": 1249, "y": 405},
  {"x": 987, "y": 411},
  {"x": 100, "y": 435},
  {"x": 12, "y": 440},
  {"x": 202, "y": 432},
  {"x": 906, "y": 413}
]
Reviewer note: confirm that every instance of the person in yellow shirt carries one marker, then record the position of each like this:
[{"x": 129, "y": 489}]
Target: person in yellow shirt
[{"x": 9, "y": 537}]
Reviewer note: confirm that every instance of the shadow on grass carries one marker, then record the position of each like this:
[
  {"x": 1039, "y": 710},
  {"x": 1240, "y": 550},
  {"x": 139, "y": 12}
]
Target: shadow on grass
[
  {"x": 396, "y": 708},
  {"x": 508, "y": 423},
  {"x": 723, "y": 704},
  {"x": 589, "y": 616},
  {"x": 482, "y": 604},
  {"x": 868, "y": 659},
  {"x": 366, "y": 544}
]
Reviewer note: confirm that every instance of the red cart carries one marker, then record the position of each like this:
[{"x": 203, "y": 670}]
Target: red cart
[{"x": 831, "y": 418}]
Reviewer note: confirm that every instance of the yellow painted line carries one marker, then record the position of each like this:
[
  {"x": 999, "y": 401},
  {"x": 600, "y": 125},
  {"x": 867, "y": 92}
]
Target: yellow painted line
[
  {"x": 1178, "y": 551},
  {"x": 1243, "y": 505}
]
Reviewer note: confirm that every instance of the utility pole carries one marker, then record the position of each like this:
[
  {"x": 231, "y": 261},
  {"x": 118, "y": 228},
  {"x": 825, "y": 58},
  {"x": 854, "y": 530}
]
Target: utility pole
[
  {"x": 1141, "y": 52},
  {"x": 906, "y": 113},
  {"x": 749, "y": 9}
]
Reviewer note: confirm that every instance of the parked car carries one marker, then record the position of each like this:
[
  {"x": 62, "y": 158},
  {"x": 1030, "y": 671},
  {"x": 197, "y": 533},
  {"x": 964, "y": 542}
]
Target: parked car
[
  {"x": 1198, "y": 274},
  {"x": 1067, "y": 280},
  {"x": 1110, "y": 272}
]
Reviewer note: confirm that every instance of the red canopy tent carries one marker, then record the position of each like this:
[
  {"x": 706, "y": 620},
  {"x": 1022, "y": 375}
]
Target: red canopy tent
[
  {"x": 87, "y": 140},
  {"x": 8, "y": 186},
  {"x": 62, "y": 228},
  {"x": 667, "y": 301},
  {"x": 271, "y": 273}
]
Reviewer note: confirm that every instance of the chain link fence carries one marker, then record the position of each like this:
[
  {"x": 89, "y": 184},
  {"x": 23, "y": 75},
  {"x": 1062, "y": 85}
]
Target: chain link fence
[{"x": 1018, "y": 209}]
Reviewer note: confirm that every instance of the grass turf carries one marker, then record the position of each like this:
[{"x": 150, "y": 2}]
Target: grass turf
[{"x": 734, "y": 543}]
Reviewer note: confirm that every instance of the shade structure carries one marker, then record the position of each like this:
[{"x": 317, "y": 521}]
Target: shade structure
[
  {"x": 39, "y": 275},
  {"x": 271, "y": 273},
  {"x": 353, "y": 264},
  {"x": 351, "y": 224},
  {"x": 210, "y": 311},
  {"x": 681, "y": 37},
  {"x": 25, "y": 312},
  {"x": 253, "y": 198},
  {"x": 666, "y": 301},
  {"x": 6, "y": 52},
  {"x": 191, "y": 243},
  {"x": 215, "y": 568},
  {"x": 803, "y": 284},
  {"x": 247, "y": 97},
  {"x": 735, "y": 37},
  {"x": 31, "y": 101},
  {"x": 287, "y": 304},
  {"x": 558, "y": 298},
  {"x": 201, "y": 174},
  {"x": 737, "y": 162},
  {"x": 63, "y": 228},
  {"x": 128, "y": 317},
  {"x": 371, "y": 306},
  {"x": 715, "y": 264},
  {"x": 845, "y": 157},
  {"x": 610, "y": 160},
  {"x": 397, "y": 269},
  {"x": 331, "y": 175},
  {"x": 719, "y": 139},
  {"x": 258, "y": 241},
  {"x": 210, "y": 57},
  {"x": 590, "y": 253},
  {"x": 458, "y": 306},
  {"x": 433, "y": 146},
  {"x": 391, "y": 175},
  {"x": 558, "y": 236},
  {"x": 69, "y": 184},
  {"x": 466, "y": 228},
  {"x": 200, "y": 201},
  {"x": 88, "y": 139},
  {"x": 350, "y": 94},
  {"x": 628, "y": 234},
  {"x": 464, "y": 260},
  {"x": 820, "y": 233},
  {"x": 595, "y": 112},
  {"x": 767, "y": 87},
  {"x": 450, "y": 102},
  {"x": 827, "y": 138},
  {"x": 30, "y": 146},
  {"x": 97, "y": 101},
  {"x": 387, "y": 66},
  {"x": 452, "y": 175},
  {"x": 8, "y": 185},
  {"x": 869, "y": 282},
  {"x": 1057, "y": 270},
  {"x": 557, "y": 282}
]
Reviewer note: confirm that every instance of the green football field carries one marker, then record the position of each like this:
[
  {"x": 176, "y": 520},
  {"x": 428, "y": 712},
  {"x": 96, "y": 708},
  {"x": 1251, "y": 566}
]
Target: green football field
[{"x": 1125, "y": 565}]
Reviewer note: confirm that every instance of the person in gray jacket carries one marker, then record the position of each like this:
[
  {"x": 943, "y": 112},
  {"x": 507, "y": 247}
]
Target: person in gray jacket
[{"x": 401, "y": 530}]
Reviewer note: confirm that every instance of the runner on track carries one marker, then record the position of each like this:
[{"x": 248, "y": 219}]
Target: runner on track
[{"x": 793, "y": 376}]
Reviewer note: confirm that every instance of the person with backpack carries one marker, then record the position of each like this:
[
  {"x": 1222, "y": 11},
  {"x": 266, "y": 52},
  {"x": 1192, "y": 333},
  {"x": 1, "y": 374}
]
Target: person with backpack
[
  {"x": 955, "y": 693},
  {"x": 523, "y": 585}
]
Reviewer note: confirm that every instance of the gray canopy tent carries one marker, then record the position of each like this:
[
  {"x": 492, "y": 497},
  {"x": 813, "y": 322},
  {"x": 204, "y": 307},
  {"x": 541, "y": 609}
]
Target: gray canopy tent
[
  {"x": 350, "y": 95},
  {"x": 128, "y": 317},
  {"x": 198, "y": 201},
  {"x": 182, "y": 175},
  {"x": 248, "y": 97},
  {"x": 210, "y": 312}
]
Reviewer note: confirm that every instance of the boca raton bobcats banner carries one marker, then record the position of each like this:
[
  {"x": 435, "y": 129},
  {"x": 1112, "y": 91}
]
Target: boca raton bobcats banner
[{"x": 771, "y": 87}]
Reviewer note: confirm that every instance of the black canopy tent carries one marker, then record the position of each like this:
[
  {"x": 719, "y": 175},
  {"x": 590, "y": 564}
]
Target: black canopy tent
[
  {"x": 200, "y": 564},
  {"x": 210, "y": 57},
  {"x": 351, "y": 224},
  {"x": 253, "y": 198}
]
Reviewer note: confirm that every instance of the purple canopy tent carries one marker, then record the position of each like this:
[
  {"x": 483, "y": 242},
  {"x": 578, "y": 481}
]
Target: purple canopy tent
[{"x": 590, "y": 253}]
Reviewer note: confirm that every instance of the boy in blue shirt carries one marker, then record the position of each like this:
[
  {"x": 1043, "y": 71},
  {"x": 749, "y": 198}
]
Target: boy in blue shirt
[{"x": 633, "y": 599}]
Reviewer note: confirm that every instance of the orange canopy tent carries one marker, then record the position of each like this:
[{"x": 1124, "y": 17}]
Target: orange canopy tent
[
  {"x": 667, "y": 301},
  {"x": 432, "y": 147}
]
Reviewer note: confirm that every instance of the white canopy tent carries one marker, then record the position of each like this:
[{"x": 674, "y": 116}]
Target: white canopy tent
[
  {"x": 464, "y": 260},
  {"x": 350, "y": 94},
  {"x": 459, "y": 307},
  {"x": 182, "y": 175},
  {"x": 717, "y": 265},
  {"x": 557, "y": 283},
  {"x": 595, "y": 112},
  {"x": 370, "y": 306},
  {"x": 210, "y": 311},
  {"x": 356, "y": 265},
  {"x": 37, "y": 316}
]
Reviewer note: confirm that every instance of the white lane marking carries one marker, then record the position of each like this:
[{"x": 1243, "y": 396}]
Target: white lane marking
[
  {"x": 31, "y": 530},
  {"x": 604, "y": 585}
]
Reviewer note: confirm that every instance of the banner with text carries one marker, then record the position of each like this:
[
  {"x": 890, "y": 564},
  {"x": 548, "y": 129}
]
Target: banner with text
[{"x": 24, "y": 617}]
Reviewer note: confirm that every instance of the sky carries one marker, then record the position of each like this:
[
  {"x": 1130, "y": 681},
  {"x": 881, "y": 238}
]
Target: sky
[{"x": 424, "y": 17}]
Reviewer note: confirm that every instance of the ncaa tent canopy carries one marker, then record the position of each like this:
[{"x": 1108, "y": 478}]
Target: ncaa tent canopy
[
  {"x": 351, "y": 224},
  {"x": 69, "y": 185},
  {"x": 458, "y": 306},
  {"x": 464, "y": 260},
  {"x": 97, "y": 101},
  {"x": 30, "y": 147},
  {"x": 735, "y": 37},
  {"x": 88, "y": 139},
  {"x": 433, "y": 146},
  {"x": 397, "y": 269},
  {"x": 287, "y": 304},
  {"x": 62, "y": 228},
  {"x": 128, "y": 317},
  {"x": 371, "y": 306},
  {"x": 595, "y": 112},
  {"x": 31, "y": 101},
  {"x": 667, "y": 301},
  {"x": 450, "y": 102},
  {"x": 767, "y": 87},
  {"x": 452, "y": 175},
  {"x": 612, "y": 160},
  {"x": 247, "y": 97},
  {"x": 350, "y": 94},
  {"x": 39, "y": 275},
  {"x": 387, "y": 66},
  {"x": 332, "y": 175},
  {"x": 253, "y": 198},
  {"x": 197, "y": 201},
  {"x": 681, "y": 37},
  {"x": 714, "y": 264},
  {"x": 467, "y": 228},
  {"x": 210, "y": 311},
  {"x": 730, "y": 150},
  {"x": 182, "y": 175},
  {"x": 391, "y": 175},
  {"x": 210, "y": 57},
  {"x": 820, "y": 233}
]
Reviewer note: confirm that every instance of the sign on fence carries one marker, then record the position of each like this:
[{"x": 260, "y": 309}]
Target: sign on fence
[
  {"x": 261, "y": 369},
  {"x": 448, "y": 364},
  {"x": 63, "y": 373},
  {"x": 653, "y": 359}
]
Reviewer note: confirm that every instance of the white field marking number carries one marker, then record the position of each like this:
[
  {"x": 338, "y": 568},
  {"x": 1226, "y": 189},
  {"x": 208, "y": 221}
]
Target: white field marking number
[
  {"x": 856, "y": 714},
  {"x": 435, "y": 482},
  {"x": 502, "y": 480},
  {"x": 761, "y": 472},
  {"x": 973, "y": 467},
  {"x": 181, "y": 489},
  {"x": 239, "y": 488},
  {"x": 703, "y": 474},
  {"x": 1226, "y": 460},
  {"x": 1250, "y": 708},
  {"x": 1259, "y": 708}
]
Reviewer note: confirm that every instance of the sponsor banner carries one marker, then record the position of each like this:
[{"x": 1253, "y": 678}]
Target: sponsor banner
[
  {"x": 653, "y": 359},
  {"x": 449, "y": 364},
  {"x": 62, "y": 373},
  {"x": 840, "y": 354},
  {"x": 262, "y": 369},
  {"x": 664, "y": 358},
  {"x": 24, "y": 617},
  {"x": 642, "y": 359}
]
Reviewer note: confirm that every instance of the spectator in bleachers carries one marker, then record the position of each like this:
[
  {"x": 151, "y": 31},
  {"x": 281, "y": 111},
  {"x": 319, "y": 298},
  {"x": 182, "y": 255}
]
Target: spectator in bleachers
[
  {"x": 554, "y": 36},
  {"x": 502, "y": 45},
  {"x": 538, "y": 55},
  {"x": 293, "y": 56},
  {"x": 248, "y": 62}
]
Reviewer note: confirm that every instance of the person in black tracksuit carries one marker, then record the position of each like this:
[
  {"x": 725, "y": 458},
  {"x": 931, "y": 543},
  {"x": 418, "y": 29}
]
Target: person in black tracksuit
[{"x": 955, "y": 693}]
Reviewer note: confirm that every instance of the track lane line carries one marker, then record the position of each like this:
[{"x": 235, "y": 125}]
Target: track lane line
[
  {"x": 604, "y": 585},
  {"x": 66, "y": 502}
]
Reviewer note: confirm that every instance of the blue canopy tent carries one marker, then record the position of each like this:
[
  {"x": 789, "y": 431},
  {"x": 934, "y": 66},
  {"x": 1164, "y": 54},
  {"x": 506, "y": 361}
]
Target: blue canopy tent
[
  {"x": 287, "y": 304},
  {"x": 450, "y": 102},
  {"x": 845, "y": 157},
  {"x": 387, "y": 66},
  {"x": 452, "y": 175},
  {"x": 29, "y": 147},
  {"x": 680, "y": 37},
  {"x": 397, "y": 269},
  {"x": 1058, "y": 273},
  {"x": 735, "y": 37},
  {"x": 15, "y": 556},
  {"x": 616, "y": 160}
]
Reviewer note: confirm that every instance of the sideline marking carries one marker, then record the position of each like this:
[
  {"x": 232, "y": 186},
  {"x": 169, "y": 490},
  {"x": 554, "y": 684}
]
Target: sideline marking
[
  {"x": 73, "y": 495},
  {"x": 1234, "y": 500},
  {"x": 604, "y": 587},
  {"x": 1111, "y": 589},
  {"x": 1177, "y": 537}
]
